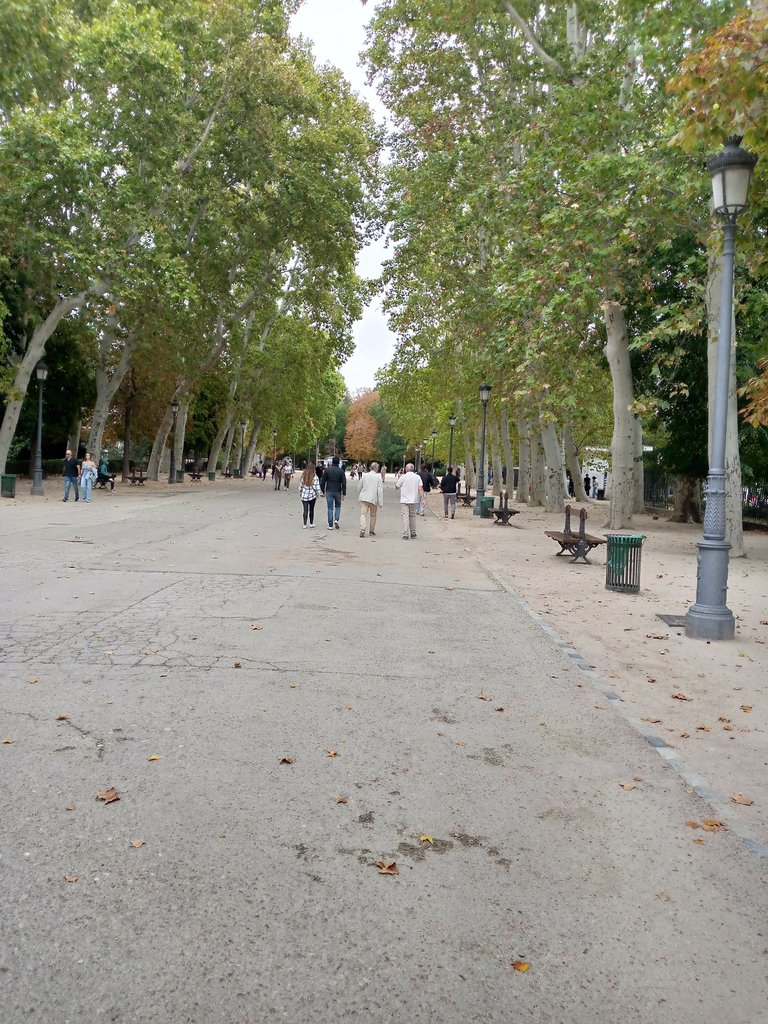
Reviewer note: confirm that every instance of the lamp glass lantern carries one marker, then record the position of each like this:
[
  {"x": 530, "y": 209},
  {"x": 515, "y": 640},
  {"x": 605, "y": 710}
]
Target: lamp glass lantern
[
  {"x": 175, "y": 407},
  {"x": 452, "y": 420},
  {"x": 41, "y": 371},
  {"x": 731, "y": 173},
  {"x": 485, "y": 392}
]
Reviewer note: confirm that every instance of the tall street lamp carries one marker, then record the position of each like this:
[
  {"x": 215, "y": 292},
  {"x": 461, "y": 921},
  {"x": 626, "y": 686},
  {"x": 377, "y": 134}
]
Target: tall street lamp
[
  {"x": 709, "y": 618},
  {"x": 452, "y": 421},
  {"x": 172, "y": 470},
  {"x": 434, "y": 435},
  {"x": 242, "y": 449},
  {"x": 485, "y": 394},
  {"x": 274, "y": 450},
  {"x": 418, "y": 459},
  {"x": 41, "y": 372}
]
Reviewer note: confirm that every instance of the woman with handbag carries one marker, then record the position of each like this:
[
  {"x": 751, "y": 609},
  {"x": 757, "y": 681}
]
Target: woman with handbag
[{"x": 309, "y": 489}]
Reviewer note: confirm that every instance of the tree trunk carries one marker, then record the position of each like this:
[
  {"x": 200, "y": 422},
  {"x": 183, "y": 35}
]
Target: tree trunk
[
  {"x": 73, "y": 441},
  {"x": 158, "y": 445},
  {"x": 572, "y": 462},
  {"x": 537, "y": 486},
  {"x": 734, "y": 531},
  {"x": 218, "y": 441},
  {"x": 687, "y": 500},
  {"x": 228, "y": 445},
  {"x": 524, "y": 475},
  {"x": 624, "y": 431},
  {"x": 509, "y": 458},
  {"x": 106, "y": 388},
  {"x": 554, "y": 474},
  {"x": 25, "y": 368},
  {"x": 250, "y": 454},
  {"x": 498, "y": 478},
  {"x": 181, "y": 430}
]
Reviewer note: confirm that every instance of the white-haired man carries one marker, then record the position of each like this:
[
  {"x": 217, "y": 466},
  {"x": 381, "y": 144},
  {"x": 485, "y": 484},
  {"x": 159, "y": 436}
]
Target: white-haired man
[
  {"x": 411, "y": 489},
  {"x": 371, "y": 497}
]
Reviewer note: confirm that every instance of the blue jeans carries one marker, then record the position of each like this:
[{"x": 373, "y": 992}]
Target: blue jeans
[
  {"x": 70, "y": 481},
  {"x": 333, "y": 500},
  {"x": 86, "y": 486}
]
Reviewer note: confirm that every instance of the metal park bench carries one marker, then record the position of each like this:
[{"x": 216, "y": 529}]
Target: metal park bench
[
  {"x": 504, "y": 513},
  {"x": 577, "y": 544}
]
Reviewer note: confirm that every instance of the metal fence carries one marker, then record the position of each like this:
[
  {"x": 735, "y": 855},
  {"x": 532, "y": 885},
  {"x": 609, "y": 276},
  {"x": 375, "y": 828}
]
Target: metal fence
[{"x": 660, "y": 493}]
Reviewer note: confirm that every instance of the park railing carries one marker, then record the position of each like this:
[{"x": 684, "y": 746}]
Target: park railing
[{"x": 660, "y": 493}]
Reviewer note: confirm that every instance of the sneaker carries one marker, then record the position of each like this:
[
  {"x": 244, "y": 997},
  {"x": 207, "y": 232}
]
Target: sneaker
[
  {"x": 336, "y": 524},
  {"x": 406, "y": 538},
  {"x": 446, "y": 517},
  {"x": 453, "y": 515},
  {"x": 304, "y": 526},
  {"x": 311, "y": 526},
  {"x": 372, "y": 533},
  {"x": 362, "y": 533},
  {"x": 413, "y": 536},
  {"x": 329, "y": 526}
]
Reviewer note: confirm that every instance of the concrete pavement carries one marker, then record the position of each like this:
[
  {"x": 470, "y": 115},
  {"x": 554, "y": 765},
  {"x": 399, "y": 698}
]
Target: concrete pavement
[{"x": 205, "y": 629}]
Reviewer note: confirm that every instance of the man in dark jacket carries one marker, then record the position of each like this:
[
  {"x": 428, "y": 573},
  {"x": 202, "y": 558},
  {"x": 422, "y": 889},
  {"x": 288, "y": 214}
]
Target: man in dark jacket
[
  {"x": 334, "y": 487},
  {"x": 449, "y": 485},
  {"x": 71, "y": 474},
  {"x": 428, "y": 482}
]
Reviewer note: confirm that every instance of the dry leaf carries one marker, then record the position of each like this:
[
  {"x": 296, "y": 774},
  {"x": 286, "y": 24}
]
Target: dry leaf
[
  {"x": 70, "y": 807},
  {"x": 600, "y": 707},
  {"x": 430, "y": 652},
  {"x": 293, "y": 686},
  {"x": 653, "y": 721},
  {"x": 62, "y": 718},
  {"x": 286, "y": 760},
  {"x": 237, "y": 665},
  {"x": 70, "y": 878},
  {"x": 739, "y": 798},
  {"x": 628, "y": 785},
  {"x": 331, "y": 753},
  {"x": 680, "y": 696},
  {"x": 729, "y": 728},
  {"x": 685, "y": 735},
  {"x": 693, "y": 824},
  {"x": 703, "y": 728},
  {"x": 154, "y": 757},
  {"x": 722, "y": 718},
  {"x": 746, "y": 708},
  {"x": 712, "y": 825},
  {"x": 348, "y": 707},
  {"x": 137, "y": 843},
  {"x": 699, "y": 842},
  {"x": 427, "y": 839},
  {"x": 498, "y": 709},
  {"x": 110, "y": 654},
  {"x": 484, "y": 696},
  {"x": 8, "y": 740},
  {"x": 254, "y": 626},
  {"x": 387, "y": 867},
  {"x": 663, "y": 896},
  {"x": 638, "y": 778},
  {"x": 32, "y": 680},
  {"x": 109, "y": 796},
  {"x": 342, "y": 800},
  {"x": 520, "y": 965}
]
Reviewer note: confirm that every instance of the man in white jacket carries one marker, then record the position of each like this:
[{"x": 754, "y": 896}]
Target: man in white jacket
[
  {"x": 411, "y": 489},
  {"x": 371, "y": 498}
]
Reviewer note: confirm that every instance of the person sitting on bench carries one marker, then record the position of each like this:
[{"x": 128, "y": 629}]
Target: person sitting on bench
[{"x": 104, "y": 476}]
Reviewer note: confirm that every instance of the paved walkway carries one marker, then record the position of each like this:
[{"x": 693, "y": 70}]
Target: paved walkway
[{"x": 195, "y": 639}]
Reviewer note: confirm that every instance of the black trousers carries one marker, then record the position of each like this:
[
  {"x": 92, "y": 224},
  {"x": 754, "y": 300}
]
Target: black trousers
[{"x": 309, "y": 510}]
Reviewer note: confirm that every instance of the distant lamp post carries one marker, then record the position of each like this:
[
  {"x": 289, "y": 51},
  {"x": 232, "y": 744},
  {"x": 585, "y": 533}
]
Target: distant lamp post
[
  {"x": 242, "y": 449},
  {"x": 172, "y": 470},
  {"x": 41, "y": 372},
  {"x": 434, "y": 435},
  {"x": 274, "y": 448},
  {"x": 452, "y": 421},
  {"x": 710, "y": 618},
  {"x": 418, "y": 458},
  {"x": 485, "y": 394}
]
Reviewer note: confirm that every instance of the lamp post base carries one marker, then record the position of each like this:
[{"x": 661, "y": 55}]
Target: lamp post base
[
  {"x": 37, "y": 490},
  {"x": 477, "y": 510},
  {"x": 707, "y": 623},
  {"x": 710, "y": 618}
]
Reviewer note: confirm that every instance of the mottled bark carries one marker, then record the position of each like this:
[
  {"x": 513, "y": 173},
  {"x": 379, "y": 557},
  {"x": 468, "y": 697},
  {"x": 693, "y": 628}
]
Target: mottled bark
[
  {"x": 687, "y": 500},
  {"x": 509, "y": 459},
  {"x": 624, "y": 431},
  {"x": 524, "y": 475},
  {"x": 554, "y": 474},
  {"x": 537, "y": 488},
  {"x": 573, "y": 465}
]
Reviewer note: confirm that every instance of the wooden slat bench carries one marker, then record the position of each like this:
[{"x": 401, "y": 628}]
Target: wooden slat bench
[
  {"x": 577, "y": 544},
  {"x": 504, "y": 513},
  {"x": 465, "y": 499}
]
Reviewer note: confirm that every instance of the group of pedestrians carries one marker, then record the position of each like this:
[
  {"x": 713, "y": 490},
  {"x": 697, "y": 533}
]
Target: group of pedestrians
[
  {"x": 82, "y": 477},
  {"x": 282, "y": 473}
]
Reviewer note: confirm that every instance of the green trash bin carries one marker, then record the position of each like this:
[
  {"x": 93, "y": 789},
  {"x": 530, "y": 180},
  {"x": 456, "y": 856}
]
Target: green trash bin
[
  {"x": 211, "y": 474},
  {"x": 8, "y": 485},
  {"x": 622, "y": 562},
  {"x": 486, "y": 507},
  {"x": 179, "y": 476}
]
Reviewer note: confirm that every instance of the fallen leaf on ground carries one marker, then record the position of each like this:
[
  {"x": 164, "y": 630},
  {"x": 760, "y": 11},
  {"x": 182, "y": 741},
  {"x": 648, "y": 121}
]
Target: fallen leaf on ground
[
  {"x": 110, "y": 653},
  {"x": 628, "y": 785},
  {"x": 331, "y": 753},
  {"x": 70, "y": 807},
  {"x": 693, "y": 824},
  {"x": 348, "y": 707},
  {"x": 712, "y": 825},
  {"x": 520, "y": 965},
  {"x": 484, "y": 696},
  {"x": 293, "y": 686},
  {"x": 387, "y": 867},
  {"x": 663, "y": 896},
  {"x": 653, "y": 721},
  {"x": 256, "y": 627},
  {"x": 685, "y": 735},
  {"x": 498, "y": 709},
  {"x": 32, "y": 680},
  {"x": 154, "y": 757},
  {"x": 729, "y": 728},
  {"x": 746, "y": 708},
  {"x": 136, "y": 843},
  {"x": 62, "y": 718},
  {"x": 722, "y": 718},
  {"x": 237, "y": 665},
  {"x": 430, "y": 652},
  {"x": 342, "y": 800},
  {"x": 286, "y": 760},
  {"x": 638, "y": 778},
  {"x": 108, "y": 795},
  {"x": 680, "y": 696},
  {"x": 427, "y": 839},
  {"x": 739, "y": 798},
  {"x": 600, "y": 707},
  {"x": 699, "y": 842},
  {"x": 8, "y": 740},
  {"x": 70, "y": 878}
]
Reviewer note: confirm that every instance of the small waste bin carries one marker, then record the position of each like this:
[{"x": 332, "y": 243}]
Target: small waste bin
[
  {"x": 486, "y": 507},
  {"x": 179, "y": 476},
  {"x": 622, "y": 562},
  {"x": 211, "y": 474},
  {"x": 236, "y": 474},
  {"x": 8, "y": 485}
]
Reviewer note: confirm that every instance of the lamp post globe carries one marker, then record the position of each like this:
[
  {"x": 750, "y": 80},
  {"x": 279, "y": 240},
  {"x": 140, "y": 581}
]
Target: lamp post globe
[
  {"x": 710, "y": 618},
  {"x": 41, "y": 372},
  {"x": 452, "y": 421},
  {"x": 485, "y": 394},
  {"x": 172, "y": 468}
]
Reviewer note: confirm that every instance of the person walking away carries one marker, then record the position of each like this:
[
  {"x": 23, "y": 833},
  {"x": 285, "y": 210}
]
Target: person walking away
[
  {"x": 449, "y": 485},
  {"x": 88, "y": 474},
  {"x": 71, "y": 474},
  {"x": 370, "y": 494},
  {"x": 587, "y": 483},
  {"x": 428, "y": 482},
  {"x": 309, "y": 489},
  {"x": 383, "y": 474},
  {"x": 411, "y": 490},
  {"x": 278, "y": 475},
  {"x": 334, "y": 487},
  {"x": 104, "y": 477},
  {"x": 287, "y": 473}
]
